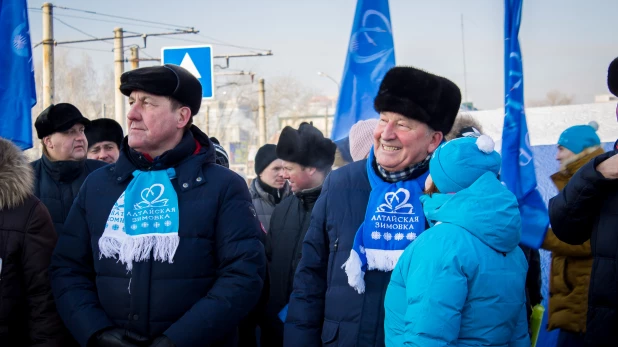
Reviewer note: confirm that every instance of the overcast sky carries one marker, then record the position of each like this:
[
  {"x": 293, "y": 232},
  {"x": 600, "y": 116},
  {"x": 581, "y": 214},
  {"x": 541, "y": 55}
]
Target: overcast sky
[{"x": 566, "y": 44}]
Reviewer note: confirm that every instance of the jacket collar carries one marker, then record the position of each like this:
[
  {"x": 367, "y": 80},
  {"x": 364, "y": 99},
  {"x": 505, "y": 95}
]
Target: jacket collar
[
  {"x": 62, "y": 170},
  {"x": 263, "y": 194},
  {"x": 309, "y": 196},
  {"x": 570, "y": 167},
  {"x": 194, "y": 146}
]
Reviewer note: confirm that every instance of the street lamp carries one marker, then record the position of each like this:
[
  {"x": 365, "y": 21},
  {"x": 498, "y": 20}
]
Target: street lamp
[{"x": 320, "y": 73}]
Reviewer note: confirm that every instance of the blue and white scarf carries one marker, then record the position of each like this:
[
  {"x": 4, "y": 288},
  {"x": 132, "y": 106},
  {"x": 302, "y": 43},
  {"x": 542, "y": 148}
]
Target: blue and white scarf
[
  {"x": 144, "y": 219},
  {"x": 393, "y": 219}
]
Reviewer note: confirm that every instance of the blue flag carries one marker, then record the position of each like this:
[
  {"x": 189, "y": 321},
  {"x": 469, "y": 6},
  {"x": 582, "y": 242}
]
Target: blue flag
[
  {"x": 370, "y": 55},
  {"x": 17, "y": 91},
  {"x": 517, "y": 161}
]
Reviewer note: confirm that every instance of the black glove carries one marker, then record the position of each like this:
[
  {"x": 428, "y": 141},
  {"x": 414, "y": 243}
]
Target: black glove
[
  {"x": 114, "y": 337},
  {"x": 162, "y": 341}
]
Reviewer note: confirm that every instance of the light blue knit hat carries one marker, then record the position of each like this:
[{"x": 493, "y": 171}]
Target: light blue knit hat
[
  {"x": 460, "y": 162},
  {"x": 579, "y": 137}
]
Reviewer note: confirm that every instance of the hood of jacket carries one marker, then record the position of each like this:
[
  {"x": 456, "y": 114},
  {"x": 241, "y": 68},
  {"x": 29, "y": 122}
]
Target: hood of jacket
[
  {"x": 486, "y": 209},
  {"x": 16, "y": 176}
]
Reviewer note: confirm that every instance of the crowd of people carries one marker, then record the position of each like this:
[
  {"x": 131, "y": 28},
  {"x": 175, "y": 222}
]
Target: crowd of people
[{"x": 399, "y": 235}]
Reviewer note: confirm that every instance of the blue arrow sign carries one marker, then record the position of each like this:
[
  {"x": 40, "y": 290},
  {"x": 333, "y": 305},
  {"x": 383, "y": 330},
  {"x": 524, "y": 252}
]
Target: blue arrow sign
[{"x": 197, "y": 60}]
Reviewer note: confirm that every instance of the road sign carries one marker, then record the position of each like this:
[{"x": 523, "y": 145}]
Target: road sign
[{"x": 197, "y": 60}]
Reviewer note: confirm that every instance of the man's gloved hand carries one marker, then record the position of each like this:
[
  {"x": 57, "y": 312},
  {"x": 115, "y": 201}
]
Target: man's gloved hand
[
  {"x": 114, "y": 337},
  {"x": 162, "y": 341}
]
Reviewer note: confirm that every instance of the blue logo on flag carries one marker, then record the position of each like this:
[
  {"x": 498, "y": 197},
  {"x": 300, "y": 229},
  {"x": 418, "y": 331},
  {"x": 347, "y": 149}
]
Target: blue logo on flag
[
  {"x": 197, "y": 60},
  {"x": 17, "y": 89},
  {"x": 370, "y": 56}
]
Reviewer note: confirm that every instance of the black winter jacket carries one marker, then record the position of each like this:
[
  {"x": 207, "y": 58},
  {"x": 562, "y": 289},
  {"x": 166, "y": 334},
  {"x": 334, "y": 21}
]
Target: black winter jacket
[
  {"x": 57, "y": 184},
  {"x": 587, "y": 208},
  {"x": 28, "y": 315},
  {"x": 217, "y": 272},
  {"x": 288, "y": 226}
]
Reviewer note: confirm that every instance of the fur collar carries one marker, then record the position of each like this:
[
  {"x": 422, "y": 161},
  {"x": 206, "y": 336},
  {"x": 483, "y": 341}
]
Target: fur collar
[{"x": 16, "y": 176}]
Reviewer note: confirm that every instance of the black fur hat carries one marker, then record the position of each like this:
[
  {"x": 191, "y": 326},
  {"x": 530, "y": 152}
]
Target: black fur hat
[
  {"x": 612, "y": 77},
  {"x": 306, "y": 146},
  {"x": 419, "y": 95},
  {"x": 104, "y": 129},
  {"x": 58, "y": 118}
]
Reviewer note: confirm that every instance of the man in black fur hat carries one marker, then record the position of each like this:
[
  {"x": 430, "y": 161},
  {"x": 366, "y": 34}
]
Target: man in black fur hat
[
  {"x": 586, "y": 209},
  {"x": 307, "y": 159},
  {"x": 330, "y": 305},
  {"x": 104, "y": 139}
]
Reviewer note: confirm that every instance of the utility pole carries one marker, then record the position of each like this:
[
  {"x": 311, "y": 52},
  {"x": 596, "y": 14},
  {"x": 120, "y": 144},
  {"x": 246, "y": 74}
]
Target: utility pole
[
  {"x": 262, "y": 113},
  {"x": 48, "y": 55},
  {"x": 119, "y": 114},
  {"x": 207, "y": 120},
  {"x": 134, "y": 57},
  {"x": 326, "y": 123}
]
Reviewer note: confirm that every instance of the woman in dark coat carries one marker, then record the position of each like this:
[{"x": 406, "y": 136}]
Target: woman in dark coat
[{"x": 28, "y": 314}]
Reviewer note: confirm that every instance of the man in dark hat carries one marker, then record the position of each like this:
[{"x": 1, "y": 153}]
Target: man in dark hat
[
  {"x": 63, "y": 167},
  {"x": 369, "y": 211},
  {"x": 161, "y": 248},
  {"x": 307, "y": 160},
  {"x": 270, "y": 187},
  {"x": 587, "y": 209},
  {"x": 104, "y": 139}
]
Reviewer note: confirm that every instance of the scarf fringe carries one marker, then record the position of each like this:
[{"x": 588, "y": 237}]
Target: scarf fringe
[
  {"x": 138, "y": 248},
  {"x": 353, "y": 268},
  {"x": 382, "y": 260}
]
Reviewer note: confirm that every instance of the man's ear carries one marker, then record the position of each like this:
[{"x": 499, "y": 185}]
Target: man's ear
[
  {"x": 311, "y": 170},
  {"x": 48, "y": 142},
  {"x": 184, "y": 115},
  {"x": 436, "y": 140}
]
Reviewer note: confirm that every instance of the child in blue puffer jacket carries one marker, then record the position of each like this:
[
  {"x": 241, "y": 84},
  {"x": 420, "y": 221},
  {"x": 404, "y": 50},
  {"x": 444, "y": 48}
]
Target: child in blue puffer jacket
[{"x": 462, "y": 282}]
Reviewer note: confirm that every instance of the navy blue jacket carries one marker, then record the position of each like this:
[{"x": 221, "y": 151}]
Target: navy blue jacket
[
  {"x": 323, "y": 308},
  {"x": 218, "y": 269},
  {"x": 57, "y": 184}
]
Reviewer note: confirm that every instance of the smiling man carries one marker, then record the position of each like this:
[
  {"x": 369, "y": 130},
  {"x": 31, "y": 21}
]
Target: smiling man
[
  {"x": 104, "y": 139},
  {"x": 63, "y": 167},
  {"x": 368, "y": 212},
  {"x": 307, "y": 160},
  {"x": 161, "y": 248}
]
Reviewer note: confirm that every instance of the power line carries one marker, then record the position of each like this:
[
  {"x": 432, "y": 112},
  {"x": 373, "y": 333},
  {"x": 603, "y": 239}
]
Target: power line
[
  {"x": 78, "y": 30},
  {"x": 121, "y": 17},
  {"x": 103, "y": 20},
  {"x": 223, "y": 43},
  {"x": 220, "y": 44},
  {"x": 85, "y": 49}
]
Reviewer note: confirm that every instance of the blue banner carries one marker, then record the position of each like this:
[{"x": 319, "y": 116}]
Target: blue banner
[
  {"x": 370, "y": 55},
  {"x": 17, "y": 91},
  {"x": 517, "y": 160}
]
